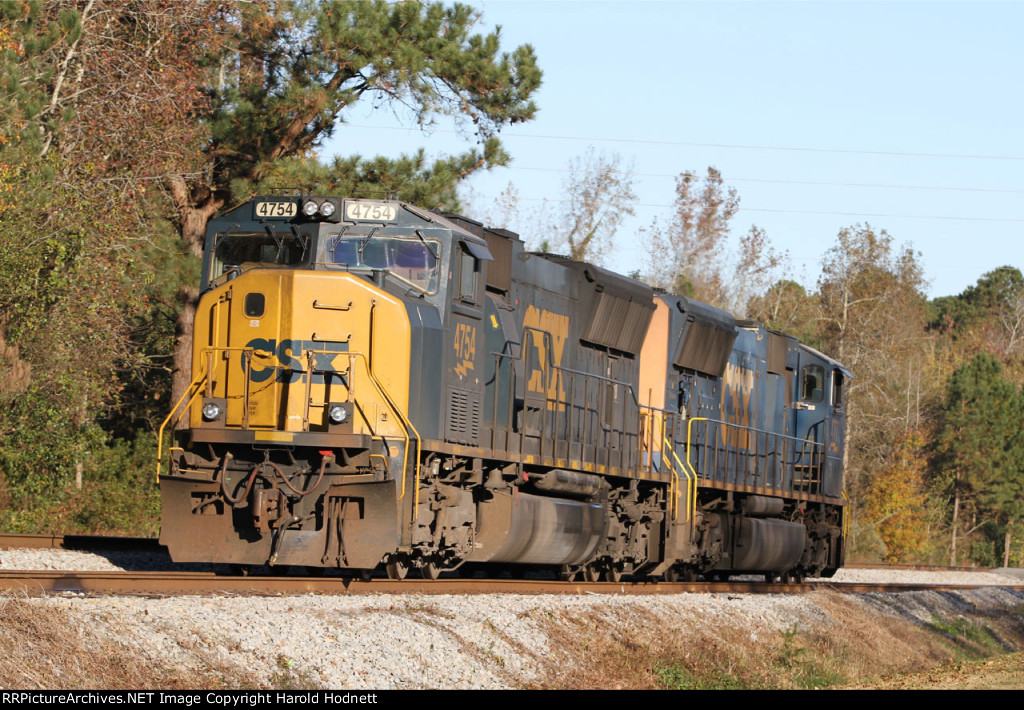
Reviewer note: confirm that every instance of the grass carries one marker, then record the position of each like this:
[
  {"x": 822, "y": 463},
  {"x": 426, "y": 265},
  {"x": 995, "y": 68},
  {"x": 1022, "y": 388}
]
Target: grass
[
  {"x": 679, "y": 677},
  {"x": 48, "y": 648},
  {"x": 288, "y": 677},
  {"x": 803, "y": 670},
  {"x": 620, "y": 649},
  {"x": 970, "y": 639}
]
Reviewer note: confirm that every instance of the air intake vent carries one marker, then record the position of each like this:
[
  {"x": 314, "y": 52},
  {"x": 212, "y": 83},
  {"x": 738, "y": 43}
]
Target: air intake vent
[
  {"x": 618, "y": 323},
  {"x": 463, "y": 421},
  {"x": 705, "y": 347},
  {"x": 776, "y": 355}
]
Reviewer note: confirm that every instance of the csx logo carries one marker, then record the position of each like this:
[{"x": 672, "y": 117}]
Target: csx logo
[{"x": 291, "y": 359}]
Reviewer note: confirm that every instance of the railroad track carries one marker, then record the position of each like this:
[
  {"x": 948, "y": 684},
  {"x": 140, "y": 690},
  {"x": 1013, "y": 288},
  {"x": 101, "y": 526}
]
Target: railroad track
[
  {"x": 151, "y": 544},
  {"x": 42, "y": 582},
  {"x": 12, "y": 541},
  {"x": 172, "y": 583}
]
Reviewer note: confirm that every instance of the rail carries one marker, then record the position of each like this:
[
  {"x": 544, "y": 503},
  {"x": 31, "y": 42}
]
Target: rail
[{"x": 178, "y": 583}]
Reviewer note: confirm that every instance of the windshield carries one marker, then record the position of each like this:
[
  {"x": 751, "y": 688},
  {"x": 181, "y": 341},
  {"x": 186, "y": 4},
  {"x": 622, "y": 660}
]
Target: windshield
[
  {"x": 244, "y": 250},
  {"x": 411, "y": 259}
]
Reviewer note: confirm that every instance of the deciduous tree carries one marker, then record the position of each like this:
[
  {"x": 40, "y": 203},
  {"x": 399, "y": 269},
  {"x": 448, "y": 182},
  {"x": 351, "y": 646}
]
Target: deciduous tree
[
  {"x": 896, "y": 501},
  {"x": 871, "y": 320},
  {"x": 598, "y": 196},
  {"x": 692, "y": 254},
  {"x": 786, "y": 306},
  {"x": 988, "y": 315},
  {"x": 685, "y": 256}
]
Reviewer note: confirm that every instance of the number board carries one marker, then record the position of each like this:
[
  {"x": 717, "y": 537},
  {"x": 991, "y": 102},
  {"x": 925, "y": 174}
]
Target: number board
[
  {"x": 368, "y": 211},
  {"x": 276, "y": 209}
]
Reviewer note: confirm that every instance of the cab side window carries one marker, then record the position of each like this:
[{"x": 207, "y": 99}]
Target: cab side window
[
  {"x": 812, "y": 383},
  {"x": 837, "y": 389},
  {"x": 469, "y": 277}
]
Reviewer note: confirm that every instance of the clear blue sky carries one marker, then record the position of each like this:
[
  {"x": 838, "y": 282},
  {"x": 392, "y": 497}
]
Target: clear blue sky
[{"x": 877, "y": 97}]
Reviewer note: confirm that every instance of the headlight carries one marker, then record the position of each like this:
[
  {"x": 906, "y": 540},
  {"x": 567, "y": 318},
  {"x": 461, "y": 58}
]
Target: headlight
[
  {"x": 337, "y": 413},
  {"x": 327, "y": 208},
  {"x": 211, "y": 410},
  {"x": 310, "y": 207}
]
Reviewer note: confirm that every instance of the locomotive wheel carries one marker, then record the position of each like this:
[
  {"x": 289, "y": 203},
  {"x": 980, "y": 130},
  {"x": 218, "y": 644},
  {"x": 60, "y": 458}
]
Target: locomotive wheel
[
  {"x": 670, "y": 575},
  {"x": 612, "y": 574},
  {"x": 429, "y": 570},
  {"x": 591, "y": 573},
  {"x": 397, "y": 568},
  {"x": 689, "y": 574},
  {"x": 772, "y": 577}
]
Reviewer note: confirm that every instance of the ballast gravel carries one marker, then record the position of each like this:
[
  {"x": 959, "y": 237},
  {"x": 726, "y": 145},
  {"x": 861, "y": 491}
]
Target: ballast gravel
[{"x": 429, "y": 641}]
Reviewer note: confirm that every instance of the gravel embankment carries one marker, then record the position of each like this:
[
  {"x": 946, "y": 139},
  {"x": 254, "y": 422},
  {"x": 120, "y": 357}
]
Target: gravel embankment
[{"x": 437, "y": 641}]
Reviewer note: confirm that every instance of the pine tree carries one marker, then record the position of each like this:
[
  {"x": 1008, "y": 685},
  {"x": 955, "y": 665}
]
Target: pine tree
[
  {"x": 291, "y": 68},
  {"x": 982, "y": 446}
]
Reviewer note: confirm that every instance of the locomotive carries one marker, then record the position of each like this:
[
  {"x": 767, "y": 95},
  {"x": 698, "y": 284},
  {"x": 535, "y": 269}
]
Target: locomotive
[{"x": 378, "y": 386}]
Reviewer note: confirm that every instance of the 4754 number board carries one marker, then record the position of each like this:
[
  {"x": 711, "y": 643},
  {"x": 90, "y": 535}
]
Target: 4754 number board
[{"x": 275, "y": 209}]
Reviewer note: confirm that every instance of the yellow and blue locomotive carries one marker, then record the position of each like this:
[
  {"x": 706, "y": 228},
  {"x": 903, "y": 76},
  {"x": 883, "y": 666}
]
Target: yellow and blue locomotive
[{"x": 380, "y": 386}]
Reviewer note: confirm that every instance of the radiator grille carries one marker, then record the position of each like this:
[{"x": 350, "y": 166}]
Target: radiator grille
[{"x": 463, "y": 423}]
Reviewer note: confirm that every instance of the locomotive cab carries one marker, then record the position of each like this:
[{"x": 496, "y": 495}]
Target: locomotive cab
[{"x": 306, "y": 381}]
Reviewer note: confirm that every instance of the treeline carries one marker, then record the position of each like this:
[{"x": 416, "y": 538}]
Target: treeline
[
  {"x": 935, "y": 447},
  {"x": 125, "y": 127},
  {"x": 935, "y": 443}
]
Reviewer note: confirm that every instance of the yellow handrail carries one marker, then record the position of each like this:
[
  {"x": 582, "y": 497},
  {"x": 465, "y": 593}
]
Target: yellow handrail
[
  {"x": 689, "y": 450},
  {"x": 673, "y": 488},
  {"x": 196, "y": 386},
  {"x": 407, "y": 423},
  {"x": 160, "y": 434},
  {"x": 388, "y": 401},
  {"x": 200, "y": 379},
  {"x": 674, "y": 482},
  {"x": 691, "y": 481},
  {"x": 846, "y": 516}
]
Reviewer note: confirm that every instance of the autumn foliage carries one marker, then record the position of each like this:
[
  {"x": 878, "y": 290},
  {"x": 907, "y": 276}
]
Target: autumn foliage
[
  {"x": 125, "y": 126},
  {"x": 896, "y": 501}
]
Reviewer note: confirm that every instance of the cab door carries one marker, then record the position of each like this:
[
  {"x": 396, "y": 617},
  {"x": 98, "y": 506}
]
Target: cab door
[
  {"x": 835, "y": 442},
  {"x": 809, "y": 398},
  {"x": 465, "y": 351},
  {"x": 810, "y": 410}
]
